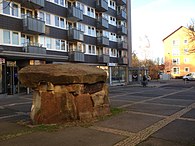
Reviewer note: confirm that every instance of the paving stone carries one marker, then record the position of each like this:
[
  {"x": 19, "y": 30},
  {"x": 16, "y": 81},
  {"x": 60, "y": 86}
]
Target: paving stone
[
  {"x": 154, "y": 109},
  {"x": 117, "y": 103},
  {"x": 73, "y": 136},
  {"x": 190, "y": 114},
  {"x": 129, "y": 121},
  {"x": 181, "y": 102},
  {"x": 180, "y": 96},
  {"x": 178, "y": 131},
  {"x": 158, "y": 142}
]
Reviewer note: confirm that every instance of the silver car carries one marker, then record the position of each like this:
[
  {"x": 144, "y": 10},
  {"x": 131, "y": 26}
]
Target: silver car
[{"x": 189, "y": 77}]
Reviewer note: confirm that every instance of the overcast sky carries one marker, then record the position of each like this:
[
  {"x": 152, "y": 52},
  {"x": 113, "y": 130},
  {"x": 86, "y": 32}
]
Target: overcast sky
[{"x": 156, "y": 19}]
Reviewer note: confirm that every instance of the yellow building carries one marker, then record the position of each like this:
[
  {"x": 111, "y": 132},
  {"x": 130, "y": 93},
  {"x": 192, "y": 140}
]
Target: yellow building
[{"x": 179, "y": 60}]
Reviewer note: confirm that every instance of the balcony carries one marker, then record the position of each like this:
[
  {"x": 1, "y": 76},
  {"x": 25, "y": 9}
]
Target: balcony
[
  {"x": 121, "y": 30},
  {"x": 74, "y": 14},
  {"x": 121, "y": 2},
  {"x": 101, "y": 5},
  {"x": 121, "y": 15},
  {"x": 122, "y": 45},
  {"x": 32, "y": 4},
  {"x": 102, "y": 23},
  {"x": 102, "y": 41},
  {"x": 33, "y": 25},
  {"x": 75, "y": 35},
  {"x": 123, "y": 60},
  {"x": 77, "y": 56},
  {"x": 34, "y": 48},
  {"x": 103, "y": 58}
]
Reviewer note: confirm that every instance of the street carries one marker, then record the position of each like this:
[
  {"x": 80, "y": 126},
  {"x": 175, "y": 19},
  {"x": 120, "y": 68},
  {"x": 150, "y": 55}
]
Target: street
[{"x": 161, "y": 114}]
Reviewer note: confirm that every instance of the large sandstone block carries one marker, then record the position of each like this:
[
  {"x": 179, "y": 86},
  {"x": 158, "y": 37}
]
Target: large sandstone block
[
  {"x": 61, "y": 74},
  {"x": 66, "y": 92}
]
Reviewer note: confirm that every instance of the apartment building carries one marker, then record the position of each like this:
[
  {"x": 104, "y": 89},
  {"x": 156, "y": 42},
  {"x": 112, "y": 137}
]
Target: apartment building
[
  {"x": 35, "y": 32},
  {"x": 178, "y": 59}
]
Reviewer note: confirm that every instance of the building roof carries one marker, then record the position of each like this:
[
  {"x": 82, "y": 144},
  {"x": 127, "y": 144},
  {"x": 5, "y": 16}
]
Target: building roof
[
  {"x": 172, "y": 33},
  {"x": 175, "y": 31}
]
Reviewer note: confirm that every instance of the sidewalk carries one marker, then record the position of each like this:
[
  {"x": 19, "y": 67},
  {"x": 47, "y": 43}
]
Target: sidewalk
[{"x": 127, "y": 128}]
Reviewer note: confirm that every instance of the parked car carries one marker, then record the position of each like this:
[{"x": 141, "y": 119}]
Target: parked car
[{"x": 189, "y": 77}]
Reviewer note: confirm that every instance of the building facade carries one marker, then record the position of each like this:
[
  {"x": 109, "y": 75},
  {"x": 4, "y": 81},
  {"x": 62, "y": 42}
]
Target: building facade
[
  {"x": 178, "y": 59},
  {"x": 35, "y": 32}
]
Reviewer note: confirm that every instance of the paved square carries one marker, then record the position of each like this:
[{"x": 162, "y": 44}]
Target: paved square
[
  {"x": 178, "y": 131},
  {"x": 129, "y": 122},
  {"x": 165, "y": 110}
]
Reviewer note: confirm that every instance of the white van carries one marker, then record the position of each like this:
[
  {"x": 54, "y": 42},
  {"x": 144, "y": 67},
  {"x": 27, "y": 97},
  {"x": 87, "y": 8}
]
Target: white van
[{"x": 189, "y": 77}]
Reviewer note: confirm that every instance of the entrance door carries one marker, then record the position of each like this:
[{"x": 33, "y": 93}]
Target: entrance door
[{"x": 12, "y": 79}]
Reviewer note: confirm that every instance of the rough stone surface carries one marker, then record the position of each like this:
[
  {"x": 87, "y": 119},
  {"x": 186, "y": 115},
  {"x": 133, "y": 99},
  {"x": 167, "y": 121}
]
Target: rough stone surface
[
  {"x": 60, "y": 74},
  {"x": 64, "y": 96}
]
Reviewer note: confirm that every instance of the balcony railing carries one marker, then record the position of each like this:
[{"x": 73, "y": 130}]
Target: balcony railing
[
  {"x": 77, "y": 56},
  {"x": 102, "y": 23},
  {"x": 121, "y": 2},
  {"x": 101, "y": 5},
  {"x": 121, "y": 30},
  {"x": 75, "y": 35},
  {"x": 33, "y": 4},
  {"x": 103, "y": 58},
  {"x": 33, "y": 25},
  {"x": 123, "y": 60},
  {"x": 102, "y": 41},
  {"x": 74, "y": 14},
  {"x": 122, "y": 45},
  {"x": 34, "y": 48},
  {"x": 121, "y": 15}
]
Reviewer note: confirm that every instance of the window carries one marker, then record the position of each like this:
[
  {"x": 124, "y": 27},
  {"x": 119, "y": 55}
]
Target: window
[
  {"x": 80, "y": 6},
  {"x": 10, "y": 8},
  {"x": 175, "y": 42},
  {"x": 112, "y": 20},
  {"x": 175, "y": 70},
  {"x": 113, "y": 52},
  {"x": 175, "y": 61},
  {"x": 80, "y": 27},
  {"x": 186, "y": 60},
  {"x": 91, "y": 49},
  {"x": 48, "y": 43},
  {"x": 57, "y": 21},
  {"x": 185, "y": 41},
  {"x": 6, "y": 37},
  {"x": 15, "y": 38},
  {"x": 6, "y": 7},
  {"x": 91, "y": 31},
  {"x": 14, "y": 8},
  {"x": 63, "y": 45},
  {"x": 106, "y": 51},
  {"x": 90, "y": 12},
  {"x": 186, "y": 69},
  {"x": 112, "y": 4},
  {"x": 48, "y": 18},
  {"x": 41, "y": 15},
  {"x": 185, "y": 50},
  {"x": 57, "y": 44},
  {"x": 175, "y": 52},
  {"x": 62, "y": 23}
]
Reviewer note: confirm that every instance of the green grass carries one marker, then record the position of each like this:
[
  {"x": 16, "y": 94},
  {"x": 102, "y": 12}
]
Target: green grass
[{"x": 116, "y": 111}]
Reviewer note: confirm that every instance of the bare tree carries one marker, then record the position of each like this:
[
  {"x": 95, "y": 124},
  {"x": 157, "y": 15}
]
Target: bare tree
[{"x": 191, "y": 36}]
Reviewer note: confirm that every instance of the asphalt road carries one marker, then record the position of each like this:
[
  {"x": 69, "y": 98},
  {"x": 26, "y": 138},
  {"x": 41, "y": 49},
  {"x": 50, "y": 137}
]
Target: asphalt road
[{"x": 162, "y": 114}]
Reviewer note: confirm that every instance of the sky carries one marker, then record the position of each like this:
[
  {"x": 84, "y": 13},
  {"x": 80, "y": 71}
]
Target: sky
[{"x": 153, "y": 20}]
